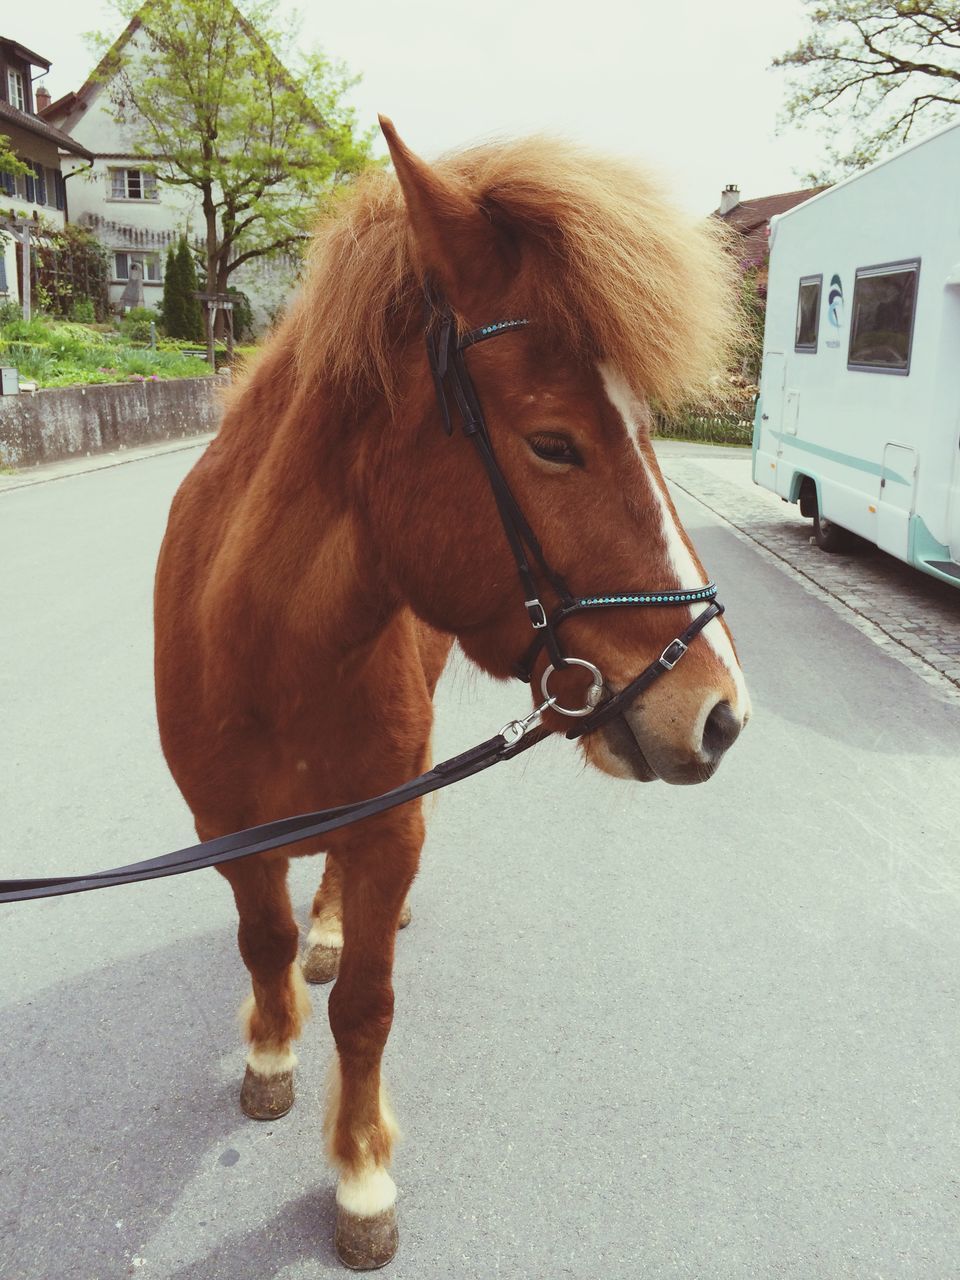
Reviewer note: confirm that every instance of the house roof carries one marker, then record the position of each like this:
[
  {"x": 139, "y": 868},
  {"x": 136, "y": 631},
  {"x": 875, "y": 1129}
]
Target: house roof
[
  {"x": 34, "y": 124},
  {"x": 34, "y": 59},
  {"x": 95, "y": 81},
  {"x": 96, "y": 77},
  {"x": 751, "y": 219}
]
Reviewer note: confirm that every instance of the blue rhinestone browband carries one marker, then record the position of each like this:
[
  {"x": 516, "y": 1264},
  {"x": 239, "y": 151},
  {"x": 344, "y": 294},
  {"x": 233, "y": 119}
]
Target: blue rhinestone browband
[
  {"x": 489, "y": 331},
  {"x": 664, "y": 597}
]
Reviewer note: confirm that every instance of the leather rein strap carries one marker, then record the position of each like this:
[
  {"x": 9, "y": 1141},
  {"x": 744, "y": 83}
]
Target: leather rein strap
[
  {"x": 450, "y": 372},
  {"x": 271, "y": 835}
]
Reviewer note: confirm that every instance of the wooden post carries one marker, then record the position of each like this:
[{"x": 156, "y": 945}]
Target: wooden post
[
  {"x": 211, "y": 322},
  {"x": 25, "y": 249}
]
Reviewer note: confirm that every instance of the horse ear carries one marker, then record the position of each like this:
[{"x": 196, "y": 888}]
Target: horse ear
[{"x": 453, "y": 242}]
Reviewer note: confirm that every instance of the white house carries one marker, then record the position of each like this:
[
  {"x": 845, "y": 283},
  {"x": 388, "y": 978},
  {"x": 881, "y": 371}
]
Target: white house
[
  {"x": 133, "y": 214},
  {"x": 41, "y": 193}
]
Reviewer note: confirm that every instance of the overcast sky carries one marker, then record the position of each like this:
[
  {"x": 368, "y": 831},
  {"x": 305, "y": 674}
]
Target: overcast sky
[{"x": 682, "y": 85}]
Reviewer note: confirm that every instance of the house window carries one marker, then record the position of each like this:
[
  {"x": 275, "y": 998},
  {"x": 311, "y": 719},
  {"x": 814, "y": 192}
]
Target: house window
[
  {"x": 15, "y": 94},
  {"x": 149, "y": 264},
  {"x": 133, "y": 184},
  {"x": 39, "y": 184},
  {"x": 881, "y": 326},
  {"x": 808, "y": 313}
]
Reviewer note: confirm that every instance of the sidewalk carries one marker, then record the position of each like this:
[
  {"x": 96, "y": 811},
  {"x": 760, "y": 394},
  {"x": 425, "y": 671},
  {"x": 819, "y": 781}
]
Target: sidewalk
[
  {"x": 47, "y": 471},
  {"x": 919, "y": 613}
]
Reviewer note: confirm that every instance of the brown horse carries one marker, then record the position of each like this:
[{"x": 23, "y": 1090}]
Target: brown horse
[{"x": 332, "y": 542}]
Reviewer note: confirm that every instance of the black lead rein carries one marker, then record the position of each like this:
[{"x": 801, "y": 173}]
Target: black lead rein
[{"x": 447, "y": 363}]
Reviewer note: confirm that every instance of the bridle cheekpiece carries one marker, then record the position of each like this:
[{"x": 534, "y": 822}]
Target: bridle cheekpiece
[{"x": 452, "y": 381}]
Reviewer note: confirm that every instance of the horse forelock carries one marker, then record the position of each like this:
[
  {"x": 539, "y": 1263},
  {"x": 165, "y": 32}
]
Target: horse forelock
[{"x": 609, "y": 270}]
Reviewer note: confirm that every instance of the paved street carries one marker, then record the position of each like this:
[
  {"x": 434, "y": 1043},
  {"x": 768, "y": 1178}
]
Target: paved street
[{"x": 651, "y": 1032}]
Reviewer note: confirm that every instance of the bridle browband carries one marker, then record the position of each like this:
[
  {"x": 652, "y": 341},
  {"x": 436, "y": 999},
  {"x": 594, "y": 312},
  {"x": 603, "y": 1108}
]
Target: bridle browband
[
  {"x": 450, "y": 375},
  {"x": 451, "y": 379}
]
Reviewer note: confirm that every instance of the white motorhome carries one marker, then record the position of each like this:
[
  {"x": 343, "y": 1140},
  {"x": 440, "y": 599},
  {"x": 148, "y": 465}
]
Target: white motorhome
[{"x": 858, "y": 418}]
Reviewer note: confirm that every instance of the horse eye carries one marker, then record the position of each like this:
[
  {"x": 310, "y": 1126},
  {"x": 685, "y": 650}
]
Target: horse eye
[{"x": 555, "y": 449}]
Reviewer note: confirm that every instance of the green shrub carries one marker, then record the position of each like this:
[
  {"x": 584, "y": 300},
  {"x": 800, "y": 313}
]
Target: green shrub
[
  {"x": 83, "y": 311},
  {"x": 135, "y": 325}
]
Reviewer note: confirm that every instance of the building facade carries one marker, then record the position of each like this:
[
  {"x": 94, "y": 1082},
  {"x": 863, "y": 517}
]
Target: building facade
[
  {"x": 135, "y": 215},
  {"x": 40, "y": 195}
]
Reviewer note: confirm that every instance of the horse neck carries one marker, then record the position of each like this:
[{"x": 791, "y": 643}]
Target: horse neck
[{"x": 303, "y": 513}]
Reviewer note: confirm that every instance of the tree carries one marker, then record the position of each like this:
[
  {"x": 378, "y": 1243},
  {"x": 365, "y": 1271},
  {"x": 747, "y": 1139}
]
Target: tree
[
  {"x": 181, "y": 310},
  {"x": 171, "y": 308},
  {"x": 187, "y": 280},
  {"x": 884, "y": 65},
  {"x": 9, "y": 163},
  {"x": 215, "y": 99}
]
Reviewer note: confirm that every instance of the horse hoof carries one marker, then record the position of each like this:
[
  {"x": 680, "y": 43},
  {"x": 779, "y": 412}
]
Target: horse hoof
[
  {"x": 405, "y": 916},
  {"x": 266, "y": 1097},
  {"x": 366, "y": 1244},
  {"x": 321, "y": 963}
]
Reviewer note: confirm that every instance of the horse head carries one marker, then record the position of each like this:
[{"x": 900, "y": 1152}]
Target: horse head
[{"x": 626, "y": 302}]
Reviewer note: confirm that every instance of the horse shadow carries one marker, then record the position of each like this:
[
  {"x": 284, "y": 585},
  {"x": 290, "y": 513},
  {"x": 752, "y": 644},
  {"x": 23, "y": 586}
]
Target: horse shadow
[{"x": 124, "y": 1144}]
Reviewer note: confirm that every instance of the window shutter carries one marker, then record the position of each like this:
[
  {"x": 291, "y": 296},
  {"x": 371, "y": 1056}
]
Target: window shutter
[
  {"x": 28, "y": 178},
  {"x": 9, "y": 183},
  {"x": 58, "y": 189},
  {"x": 40, "y": 183},
  {"x": 3, "y": 265}
]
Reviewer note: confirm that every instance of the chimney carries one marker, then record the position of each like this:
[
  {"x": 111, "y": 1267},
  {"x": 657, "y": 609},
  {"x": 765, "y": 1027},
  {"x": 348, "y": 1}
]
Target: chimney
[
  {"x": 42, "y": 96},
  {"x": 729, "y": 198}
]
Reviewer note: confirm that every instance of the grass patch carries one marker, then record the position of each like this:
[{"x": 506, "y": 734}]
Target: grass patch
[{"x": 63, "y": 354}]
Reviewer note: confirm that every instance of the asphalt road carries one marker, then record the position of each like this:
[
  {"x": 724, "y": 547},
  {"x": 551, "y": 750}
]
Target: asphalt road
[{"x": 706, "y": 1032}]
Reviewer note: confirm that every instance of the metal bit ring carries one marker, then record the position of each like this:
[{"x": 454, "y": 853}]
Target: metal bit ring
[{"x": 592, "y": 695}]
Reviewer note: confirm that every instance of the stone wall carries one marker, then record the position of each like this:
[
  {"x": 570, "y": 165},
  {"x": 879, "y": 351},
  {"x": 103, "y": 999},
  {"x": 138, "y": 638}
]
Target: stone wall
[{"x": 66, "y": 422}]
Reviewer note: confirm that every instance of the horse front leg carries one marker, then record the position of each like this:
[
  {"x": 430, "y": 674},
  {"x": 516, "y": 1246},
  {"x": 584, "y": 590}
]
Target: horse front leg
[
  {"x": 321, "y": 959},
  {"x": 274, "y": 1013},
  {"x": 374, "y": 878}
]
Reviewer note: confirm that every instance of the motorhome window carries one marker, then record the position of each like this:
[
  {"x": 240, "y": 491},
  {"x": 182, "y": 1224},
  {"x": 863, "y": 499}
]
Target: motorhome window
[
  {"x": 881, "y": 327},
  {"x": 808, "y": 313}
]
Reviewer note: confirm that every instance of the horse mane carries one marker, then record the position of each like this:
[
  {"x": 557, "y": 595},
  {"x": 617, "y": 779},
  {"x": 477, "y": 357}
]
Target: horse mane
[{"x": 610, "y": 271}]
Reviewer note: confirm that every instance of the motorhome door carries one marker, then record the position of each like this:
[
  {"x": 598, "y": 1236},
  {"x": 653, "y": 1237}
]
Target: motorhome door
[
  {"x": 896, "y": 499},
  {"x": 770, "y": 444}
]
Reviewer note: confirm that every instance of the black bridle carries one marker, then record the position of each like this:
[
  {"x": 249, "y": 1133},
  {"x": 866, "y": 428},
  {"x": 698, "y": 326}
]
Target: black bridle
[{"x": 446, "y": 354}]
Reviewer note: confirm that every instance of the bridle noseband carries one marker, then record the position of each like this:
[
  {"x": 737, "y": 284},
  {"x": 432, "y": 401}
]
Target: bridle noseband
[{"x": 451, "y": 378}]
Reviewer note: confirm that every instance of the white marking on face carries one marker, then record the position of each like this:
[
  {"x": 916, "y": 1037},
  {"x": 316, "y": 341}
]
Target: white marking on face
[{"x": 633, "y": 413}]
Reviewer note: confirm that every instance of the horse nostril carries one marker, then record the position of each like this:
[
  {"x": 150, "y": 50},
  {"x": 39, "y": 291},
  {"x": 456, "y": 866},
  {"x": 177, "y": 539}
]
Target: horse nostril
[{"x": 720, "y": 731}]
